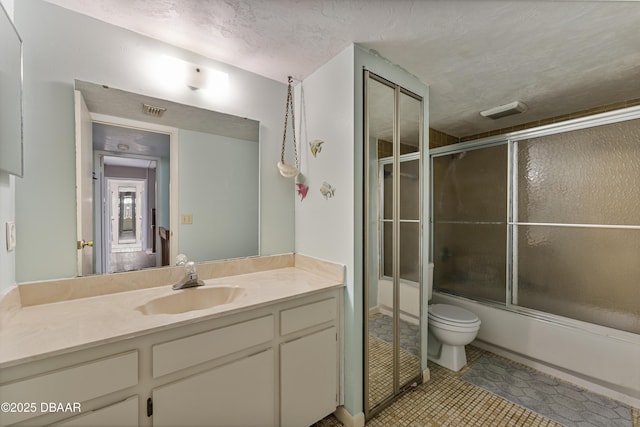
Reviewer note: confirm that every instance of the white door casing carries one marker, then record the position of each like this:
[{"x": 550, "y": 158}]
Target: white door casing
[
  {"x": 116, "y": 187},
  {"x": 84, "y": 186}
]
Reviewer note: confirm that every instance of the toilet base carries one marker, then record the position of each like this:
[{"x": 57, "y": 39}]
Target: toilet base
[{"x": 453, "y": 357}]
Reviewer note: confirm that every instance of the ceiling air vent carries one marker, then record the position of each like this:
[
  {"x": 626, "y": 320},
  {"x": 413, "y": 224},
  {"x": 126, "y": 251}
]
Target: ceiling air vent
[
  {"x": 515, "y": 107},
  {"x": 152, "y": 110}
]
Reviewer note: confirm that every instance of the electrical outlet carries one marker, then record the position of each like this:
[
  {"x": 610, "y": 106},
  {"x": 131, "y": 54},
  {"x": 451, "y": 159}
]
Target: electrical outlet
[
  {"x": 11, "y": 236},
  {"x": 187, "y": 219}
]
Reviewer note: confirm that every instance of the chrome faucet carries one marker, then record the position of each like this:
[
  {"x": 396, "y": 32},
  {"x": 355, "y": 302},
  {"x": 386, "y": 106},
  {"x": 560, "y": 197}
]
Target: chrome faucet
[{"x": 190, "y": 279}]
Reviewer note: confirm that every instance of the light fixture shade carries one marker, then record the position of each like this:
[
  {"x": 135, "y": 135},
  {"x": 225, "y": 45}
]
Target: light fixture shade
[
  {"x": 174, "y": 74},
  {"x": 509, "y": 109},
  {"x": 196, "y": 78}
]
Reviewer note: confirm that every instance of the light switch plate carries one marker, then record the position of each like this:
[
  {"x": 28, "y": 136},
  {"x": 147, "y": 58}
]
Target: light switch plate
[
  {"x": 187, "y": 218},
  {"x": 11, "y": 236}
]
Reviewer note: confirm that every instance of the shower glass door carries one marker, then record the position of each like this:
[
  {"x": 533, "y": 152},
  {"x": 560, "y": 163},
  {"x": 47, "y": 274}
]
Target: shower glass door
[{"x": 393, "y": 267}]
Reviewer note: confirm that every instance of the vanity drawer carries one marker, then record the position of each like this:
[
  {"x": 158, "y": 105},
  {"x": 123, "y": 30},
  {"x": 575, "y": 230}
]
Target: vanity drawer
[
  {"x": 305, "y": 316},
  {"x": 70, "y": 385},
  {"x": 121, "y": 414},
  {"x": 182, "y": 353}
]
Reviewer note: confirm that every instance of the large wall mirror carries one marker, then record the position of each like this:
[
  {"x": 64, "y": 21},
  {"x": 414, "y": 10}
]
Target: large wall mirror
[
  {"x": 10, "y": 96},
  {"x": 162, "y": 178}
]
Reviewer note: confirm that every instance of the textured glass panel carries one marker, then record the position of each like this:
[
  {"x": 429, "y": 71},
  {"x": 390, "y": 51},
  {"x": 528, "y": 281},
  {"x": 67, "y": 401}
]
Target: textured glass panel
[
  {"x": 409, "y": 111},
  {"x": 589, "y": 274},
  {"x": 471, "y": 186},
  {"x": 587, "y": 176},
  {"x": 410, "y": 190},
  {"x": 470, "y": 260},
  {"x": 410, "y": 251}
]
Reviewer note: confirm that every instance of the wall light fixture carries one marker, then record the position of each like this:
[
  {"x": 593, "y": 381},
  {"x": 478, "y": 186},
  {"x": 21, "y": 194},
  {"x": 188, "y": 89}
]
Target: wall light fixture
[{"x": 176, "y": 73}]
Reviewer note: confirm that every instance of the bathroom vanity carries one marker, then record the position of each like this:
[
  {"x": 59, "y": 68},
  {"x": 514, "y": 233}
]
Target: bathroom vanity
[{"x": 270, "y": 356}]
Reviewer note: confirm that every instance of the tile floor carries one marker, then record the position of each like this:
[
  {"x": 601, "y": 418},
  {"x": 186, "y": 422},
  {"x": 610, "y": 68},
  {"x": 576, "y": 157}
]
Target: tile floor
[
  {"x": 381, "y": 369},
  {"x": 559, "y": 400},
  {"x": 447, "y": 400},
  {"x": 131, "y": 261},
  {"x": 381, "y": 366},
  {"x": 381, "y": 326}
]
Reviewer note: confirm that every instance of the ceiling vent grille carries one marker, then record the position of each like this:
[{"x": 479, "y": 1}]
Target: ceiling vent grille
[
  {"x": 152, "y": 110},
  {"x": 515, "y": 107}
]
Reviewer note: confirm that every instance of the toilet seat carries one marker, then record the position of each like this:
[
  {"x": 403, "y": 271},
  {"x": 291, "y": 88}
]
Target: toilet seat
[{"x": 453, "y": 316}]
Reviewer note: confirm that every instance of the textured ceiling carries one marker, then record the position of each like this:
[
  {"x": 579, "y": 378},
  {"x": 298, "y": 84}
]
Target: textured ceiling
[{"x": 556, "y": 57}]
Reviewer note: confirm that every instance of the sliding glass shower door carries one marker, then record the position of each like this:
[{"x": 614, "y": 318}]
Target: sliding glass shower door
[{"x": 545, "y": 222}]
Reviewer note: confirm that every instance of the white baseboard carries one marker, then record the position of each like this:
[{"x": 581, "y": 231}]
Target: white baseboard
[{"x": 347, "y": 419}]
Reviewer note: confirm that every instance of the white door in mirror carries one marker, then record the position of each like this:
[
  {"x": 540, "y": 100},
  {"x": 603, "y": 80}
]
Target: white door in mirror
[{"x": 11, "y": 236}]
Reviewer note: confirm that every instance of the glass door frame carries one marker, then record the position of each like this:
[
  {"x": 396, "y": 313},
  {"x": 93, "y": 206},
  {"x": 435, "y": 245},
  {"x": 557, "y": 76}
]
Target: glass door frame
[
  {"x": 511, "y": 139},
  {"x": 398, "y": 388},
  {"x": 381, "y": 220}
]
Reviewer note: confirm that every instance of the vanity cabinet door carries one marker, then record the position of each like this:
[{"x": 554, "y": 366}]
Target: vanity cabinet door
[
  {"x": 308, "y": 378},
  {"x": 240, "y": 393}
]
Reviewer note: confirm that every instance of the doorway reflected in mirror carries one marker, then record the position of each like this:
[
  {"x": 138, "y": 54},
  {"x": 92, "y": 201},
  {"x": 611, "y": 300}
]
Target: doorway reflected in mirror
[{"x": 128, "y": 229}]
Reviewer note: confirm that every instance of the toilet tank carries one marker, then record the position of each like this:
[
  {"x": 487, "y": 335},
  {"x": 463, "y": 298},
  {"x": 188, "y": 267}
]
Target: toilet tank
[{"x": 429, "y": 281}]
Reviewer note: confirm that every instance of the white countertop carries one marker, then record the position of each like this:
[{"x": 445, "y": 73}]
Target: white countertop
[{"x": 35, "y": 332}]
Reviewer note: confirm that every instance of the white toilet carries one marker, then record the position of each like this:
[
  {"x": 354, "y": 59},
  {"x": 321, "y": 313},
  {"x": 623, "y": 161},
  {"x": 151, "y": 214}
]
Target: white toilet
[{"x": 450, "y": 329}]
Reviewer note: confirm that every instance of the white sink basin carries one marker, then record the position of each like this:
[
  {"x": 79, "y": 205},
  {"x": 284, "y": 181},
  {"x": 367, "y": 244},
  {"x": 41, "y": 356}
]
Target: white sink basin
[{"x": 192, "y": 299}]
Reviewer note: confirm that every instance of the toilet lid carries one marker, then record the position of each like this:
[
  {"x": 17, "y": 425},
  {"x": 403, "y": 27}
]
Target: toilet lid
[{"x": 452, "y": 313}]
